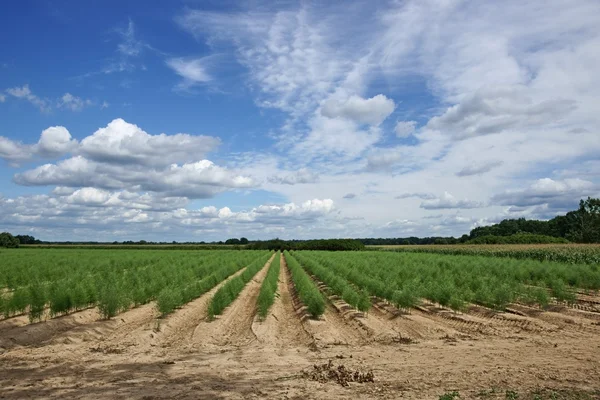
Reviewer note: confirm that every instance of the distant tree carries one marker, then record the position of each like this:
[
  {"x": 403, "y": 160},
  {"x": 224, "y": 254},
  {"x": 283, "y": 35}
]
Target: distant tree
[
  {"x": 584, "y": 223},
  {"x": 232, "y": 241},
  {"x": 8, "y": 240},
  {"x": 243, "y": 240},
  {"x": 26, "y": 239}
]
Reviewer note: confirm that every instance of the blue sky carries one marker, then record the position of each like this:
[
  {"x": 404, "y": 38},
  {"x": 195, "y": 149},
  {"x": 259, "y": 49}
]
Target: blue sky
[{"x": 206, "y": 120}]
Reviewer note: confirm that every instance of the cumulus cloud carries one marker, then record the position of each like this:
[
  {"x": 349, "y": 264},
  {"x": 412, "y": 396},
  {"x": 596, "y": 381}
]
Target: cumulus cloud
[
  {"x": 202, "y": 179},
  {"x": 336, "y": 137},
  {"x": 125, "y": 143},
  {"x": 303, "y": 175},
  {"x": 118, "y": 143},
  {"x": 478, "y": 169},
  {"x": 54, "y": 142},
  {"x": 493, "y": 110},
  {"x": 448, "y": 201},
  {"x": 371, "y": 111},
  {"x": 556, "y": 194},
  {"x": 404, "y": 129},
  {"x": 122, "y": 214},
  {"x": 121, "y": 156}
]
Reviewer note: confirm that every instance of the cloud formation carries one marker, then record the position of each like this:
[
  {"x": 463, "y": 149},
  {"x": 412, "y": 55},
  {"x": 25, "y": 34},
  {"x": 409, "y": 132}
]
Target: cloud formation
[{"x": 448, "y": 201}]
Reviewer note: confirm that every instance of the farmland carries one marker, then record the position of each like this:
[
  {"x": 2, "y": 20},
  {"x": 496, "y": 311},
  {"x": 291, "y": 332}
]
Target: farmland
[{"x": 152, "y": 323}]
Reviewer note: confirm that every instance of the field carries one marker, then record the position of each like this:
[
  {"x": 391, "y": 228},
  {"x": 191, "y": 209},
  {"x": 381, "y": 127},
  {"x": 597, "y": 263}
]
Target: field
[
  {"x": 238, "y": 324},
  {"x": 567, "y": 253}
]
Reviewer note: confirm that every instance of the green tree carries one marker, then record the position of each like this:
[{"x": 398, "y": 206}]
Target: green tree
[
  {"x": 8, "y": 240},
  {"x": 584, "y": 224}
]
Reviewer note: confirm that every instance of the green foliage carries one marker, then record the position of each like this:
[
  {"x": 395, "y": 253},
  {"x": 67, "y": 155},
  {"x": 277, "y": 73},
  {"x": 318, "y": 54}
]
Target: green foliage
[
  {"x": 18, "y": 302},
  {"x": 569, "y": 254},
  {"x": 307, "y": 291},
  {"x": 511, "y": 395},
  {"x": 449, "y": 396},
  {"x": 404, "y": 278},
  {"x": 168, "y": 300},
  {"x": 268, "y": 289},
  {"x": 339, "y": 285},
  {"x": 37, "y": 301},
  {"x": 8, "y": 240},
  {"x": 517, "y": 238},
  {"x": 109, "y": 300},
  {"x": 231, "y": 290},
  {"x": 581, "y": 226},
  {"x": 320, "y": 244}
]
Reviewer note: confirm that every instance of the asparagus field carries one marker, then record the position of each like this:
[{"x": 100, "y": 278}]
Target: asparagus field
[{"x": 253, "y": 323}]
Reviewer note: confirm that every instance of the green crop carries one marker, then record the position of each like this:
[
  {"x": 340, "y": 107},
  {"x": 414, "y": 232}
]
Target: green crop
[
  {"x": 268, "y": 289},
  {"x": 307, "y": 291}
]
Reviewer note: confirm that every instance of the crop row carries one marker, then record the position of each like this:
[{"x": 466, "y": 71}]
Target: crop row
[
  {"x": 568, "y": 253},
  {"x": 307, "y": 291},
  {"x": 231, "y": 290},
  {"x": 60, "y": 285},
  {"x": 268, "y": 289},
  {"x": 358, "y": 299},
  {"x": 456, "y": 281}
]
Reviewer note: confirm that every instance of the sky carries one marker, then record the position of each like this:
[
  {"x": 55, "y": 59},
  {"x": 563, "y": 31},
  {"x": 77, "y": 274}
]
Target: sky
[{"x": 207, "y": 120}]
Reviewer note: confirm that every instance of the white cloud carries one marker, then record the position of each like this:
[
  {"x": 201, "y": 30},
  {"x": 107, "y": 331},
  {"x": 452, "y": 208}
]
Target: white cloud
[
  {"x": 104, "y": 105},
  {"x": 73, "y": 103},
  {"x": 67, "y": 101},
  {"x": 193, "y": 71},
  {"x": 493, "y": 110},
  {"x": 404, "y": 129},
  {"x": 119, "y": 142},
  {"x": 371, "y": 111},
  {"x": 122, "y": 142},
  {"x": 118, "y": 215},
  {"x": 54, "y": 142},
  {"x": 478, "y": 169},
  {"x": 303, "y": 175},
  {"x": 448, "y": 201},
  {"x": 2, "y": 98},
  {"x": 130, "y": 46},
  {"x": 128, "y": 50},
  {"x": 422, "y": 196},
  {"x": 555, "y": 194},
  {"x": 25, "y": 93},
  {"x": 201, "y": 179}
]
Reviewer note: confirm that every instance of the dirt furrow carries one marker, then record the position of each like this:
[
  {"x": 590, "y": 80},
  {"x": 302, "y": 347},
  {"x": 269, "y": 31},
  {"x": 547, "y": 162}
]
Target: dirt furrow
[
  {"x": 282, "y": 327},
  {"x": 570, "y": 323},
  {"x": 177, "y": 329},
  {"x": 17, "y": 331},
  {"x": 234, "y": 326}
]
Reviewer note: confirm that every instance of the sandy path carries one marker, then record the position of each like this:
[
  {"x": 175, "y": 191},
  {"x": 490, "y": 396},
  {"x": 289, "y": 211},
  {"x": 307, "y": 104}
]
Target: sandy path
[
  {"x": 282, "y": 327},
  {"x": 234, "y": 326},
  {"x": 177, "y": 329},
  {"x": 17, "y": 331}
]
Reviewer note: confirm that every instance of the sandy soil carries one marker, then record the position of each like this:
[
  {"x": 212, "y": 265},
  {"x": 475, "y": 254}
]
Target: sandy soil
[{"x": 417, "y": 355}]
